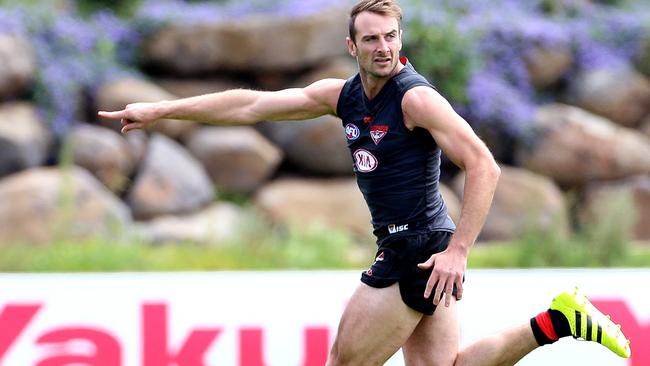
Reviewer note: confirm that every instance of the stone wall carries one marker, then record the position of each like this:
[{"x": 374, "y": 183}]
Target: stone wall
[{"x": 166, "y": 183}]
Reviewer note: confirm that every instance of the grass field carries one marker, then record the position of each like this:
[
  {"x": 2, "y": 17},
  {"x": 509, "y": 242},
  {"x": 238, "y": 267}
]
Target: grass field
[{"x": 292, "y": 250}]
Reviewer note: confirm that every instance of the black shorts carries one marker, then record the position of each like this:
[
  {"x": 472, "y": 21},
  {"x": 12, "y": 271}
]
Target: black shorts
[{"x": 396, "y": 261}]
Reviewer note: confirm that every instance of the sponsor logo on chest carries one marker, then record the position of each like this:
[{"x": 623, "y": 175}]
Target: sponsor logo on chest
[
  {"x": 377, "y": 132},
  {"x": 364, "y": 161}
]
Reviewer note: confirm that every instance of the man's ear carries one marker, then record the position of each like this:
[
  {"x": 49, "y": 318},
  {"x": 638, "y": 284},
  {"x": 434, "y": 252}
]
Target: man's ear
[{"x": 352, "y": 48}]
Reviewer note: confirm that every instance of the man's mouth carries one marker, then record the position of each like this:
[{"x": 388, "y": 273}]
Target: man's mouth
[{"x": 382, "y": 60}]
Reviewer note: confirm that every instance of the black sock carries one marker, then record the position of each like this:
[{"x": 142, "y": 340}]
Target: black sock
[{"x": 560, "y": 323}]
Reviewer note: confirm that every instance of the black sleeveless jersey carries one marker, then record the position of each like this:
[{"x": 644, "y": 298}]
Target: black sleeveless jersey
[{"x": 397, "y": 170}]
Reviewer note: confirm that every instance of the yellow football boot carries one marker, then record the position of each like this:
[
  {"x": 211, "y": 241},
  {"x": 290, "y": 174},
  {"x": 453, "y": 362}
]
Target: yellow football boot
[{"x": 589, "y": 324}]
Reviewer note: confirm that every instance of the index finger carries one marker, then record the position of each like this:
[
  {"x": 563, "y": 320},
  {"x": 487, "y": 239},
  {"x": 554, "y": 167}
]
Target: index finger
[{"x": 113, "y": 115}]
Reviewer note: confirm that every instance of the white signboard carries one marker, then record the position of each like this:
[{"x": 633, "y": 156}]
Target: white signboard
[{"x": 274, "y": 318}]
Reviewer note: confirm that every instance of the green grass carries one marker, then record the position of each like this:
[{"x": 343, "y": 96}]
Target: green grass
[
  {"x": 508, "y": 255},
  {"x": 314, "y": 248}
]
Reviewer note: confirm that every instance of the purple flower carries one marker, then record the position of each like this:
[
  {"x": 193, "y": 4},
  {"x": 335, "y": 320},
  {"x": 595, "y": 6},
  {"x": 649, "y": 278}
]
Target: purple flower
[{"x": 495, "y": 102}]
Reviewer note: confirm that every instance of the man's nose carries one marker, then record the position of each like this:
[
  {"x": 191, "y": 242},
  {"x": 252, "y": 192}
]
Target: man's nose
[{"x": 383, "y": 45}]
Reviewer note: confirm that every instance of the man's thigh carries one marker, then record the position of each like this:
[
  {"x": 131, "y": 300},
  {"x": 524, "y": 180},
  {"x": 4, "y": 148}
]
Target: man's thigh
[
  {"x": 435, "y": 340},
  {"x": 374, "y": 325}
]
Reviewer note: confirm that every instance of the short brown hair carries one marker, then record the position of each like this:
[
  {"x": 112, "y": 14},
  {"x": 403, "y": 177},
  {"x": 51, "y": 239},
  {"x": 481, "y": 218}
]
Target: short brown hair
[{"x": 381, "y": 7}]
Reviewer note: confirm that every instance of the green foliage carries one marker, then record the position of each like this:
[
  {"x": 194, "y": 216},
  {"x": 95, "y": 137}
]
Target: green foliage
[
  {"x": 256, "y": 249},
  {"x": 603, "y": 242},
  {"x": 122, "y": 7},
  {"x": 442, "y": 54}
]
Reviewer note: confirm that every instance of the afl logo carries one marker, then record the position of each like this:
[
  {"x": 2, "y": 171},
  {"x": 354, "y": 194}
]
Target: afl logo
[
  {"x": 351, "y": 131},
  {"x": 365, "y": 161}
]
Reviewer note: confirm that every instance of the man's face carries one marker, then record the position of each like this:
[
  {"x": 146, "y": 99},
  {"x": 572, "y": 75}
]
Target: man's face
[{"x": 377, "y": 46}]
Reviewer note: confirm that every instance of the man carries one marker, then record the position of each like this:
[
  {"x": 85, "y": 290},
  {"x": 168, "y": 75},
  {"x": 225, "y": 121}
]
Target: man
[{"x": 396, "y": 125}]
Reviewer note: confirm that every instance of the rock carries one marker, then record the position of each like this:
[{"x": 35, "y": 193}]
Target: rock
[
  {"x": 574, "y": 147},
  {"x": 621, "y": 95},
  {"x": 522, "y": 201},
  {"x": 334, "y": 203},
  {"x": 18, "y": 66},
  {"x": 238, "y": 159},
  {"x": 104, "y": 153},
  {"x": 170, "y": 181},
  {"x": 42, "y": 205},
  {"x": 243, "y": 45},
  {"x": 317, "y": 145},
  {"x": 214, "y": 225},
  {"x": 24, "y": 139},
  {"x": 604, "y": 203},
  {"x": 138, "y": 142},
  {"x": 645, "y": 126},
  {"x": 338, "y": 68},
  {"x": 117, "y": 94},
  {"x": 451, "y": 201},
  {"x": 184, "y": 88},
  {"x": 546, "y": 66}
]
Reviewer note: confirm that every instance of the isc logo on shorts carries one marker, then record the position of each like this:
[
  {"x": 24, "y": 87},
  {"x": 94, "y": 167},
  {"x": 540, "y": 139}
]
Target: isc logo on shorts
[
  {"x": 352, "y": 131},
  {"x": 393, "y": 229},
  {"x": 365, "y": 161}
]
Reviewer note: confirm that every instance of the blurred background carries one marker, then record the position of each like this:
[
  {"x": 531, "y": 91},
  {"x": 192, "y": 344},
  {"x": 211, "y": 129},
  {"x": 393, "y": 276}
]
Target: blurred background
[{"x": 558, "y": 89}]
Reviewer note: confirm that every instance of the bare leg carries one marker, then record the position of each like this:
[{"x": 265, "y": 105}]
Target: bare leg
[
  {"x": 502, "y": 349},
  {"x": 374, "y": 325},
  {"x": 435, "y": 340}
]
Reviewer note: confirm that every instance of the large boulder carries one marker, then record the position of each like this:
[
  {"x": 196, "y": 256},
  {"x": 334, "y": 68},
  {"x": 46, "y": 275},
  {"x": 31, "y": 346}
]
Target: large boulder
[
  {"x": 41, "y": 205},
  {"x": 522, "y": 201},
  {"x": 217, "y": 224},
  {"x": 645, "y": 126},
  {"x": 603, "y": 200},
  {"x": 621, "y": 94},
  {"x": 115, "y": 95},
  {"x": 170, "y": 181},
  {"x": 238, "y": 159},
  {"x": 17, "y": 65},
  {"x": 338, "y": 68},
  {"x": 184, "y": 87},
  {"x": 24, "y": 138},
  {"x": 103, "y": 152},
  {"x": 547, "y": 65},
  {"x": 244, "y": 45},
  {"x": 317, "y": 146},
  {"x": 451, "y": 201},
  {"x": 334, "y": 203},
  {"x": 574, "y": 147}
]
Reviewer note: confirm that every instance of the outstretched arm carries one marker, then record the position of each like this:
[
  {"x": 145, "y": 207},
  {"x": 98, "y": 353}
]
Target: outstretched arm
[
  {"x": 424, "y": 107},
  {"x": 236, "y": 106}
]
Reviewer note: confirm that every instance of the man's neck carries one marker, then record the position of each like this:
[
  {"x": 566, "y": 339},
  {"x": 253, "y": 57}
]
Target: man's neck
[{"x": 372, "y": 85}]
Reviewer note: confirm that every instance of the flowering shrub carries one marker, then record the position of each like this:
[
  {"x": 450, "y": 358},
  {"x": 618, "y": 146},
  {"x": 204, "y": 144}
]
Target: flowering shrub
[
  {"x": 73, "y": 54},
  {"x": 196, "y": 12},
  {"x": 496, "y": 89},
  {"x": 473, "y": 50}
]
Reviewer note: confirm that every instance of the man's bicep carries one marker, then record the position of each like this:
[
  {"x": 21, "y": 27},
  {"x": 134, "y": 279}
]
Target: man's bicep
[
  {"x": 298, "y": 103},
  {"x": 427, "y": 109}
]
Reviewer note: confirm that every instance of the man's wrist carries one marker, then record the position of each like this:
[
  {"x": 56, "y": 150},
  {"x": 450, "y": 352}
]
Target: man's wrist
[
  {"x": 163, "y": 109},
  {"x": 459, "y": 247}
]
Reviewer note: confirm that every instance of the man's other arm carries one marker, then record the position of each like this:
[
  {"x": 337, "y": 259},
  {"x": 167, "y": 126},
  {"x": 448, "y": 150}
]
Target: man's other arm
[
  {"x": 424, "y": 107},
  {"x": 236, "y": 106}
]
